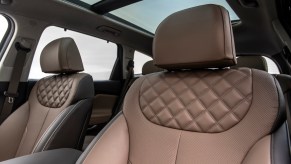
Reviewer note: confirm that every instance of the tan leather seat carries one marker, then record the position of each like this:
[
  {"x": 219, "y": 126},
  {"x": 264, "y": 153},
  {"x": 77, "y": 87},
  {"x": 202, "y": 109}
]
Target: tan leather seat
[
  {"x": 256, "y": 62},
  {"x": 149, "y": 68},
  {"x": 57, "y": 111},
  {"x": 192, "y": 114}
]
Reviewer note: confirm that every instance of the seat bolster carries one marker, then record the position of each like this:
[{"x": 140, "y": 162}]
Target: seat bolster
[
  {"x": 280, "y": 150},
  {"x": 260, "y": 152},
  {"x": 281, "y": 116},
  {"x": 111, "y": 145},
  {"x": 70, "y": 121},
  {"x": 12, "y": 131},
  {"x": 84, "y": 88}
]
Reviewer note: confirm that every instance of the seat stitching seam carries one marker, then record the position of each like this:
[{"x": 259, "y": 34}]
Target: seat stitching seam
[
  {"x": 74, "y": 108},
  {"x": 46, "y": 131},
  {"x": 178, "y": 146},
  {"x": 41, "y": 128},
  {"x": 100, "y": 139}
]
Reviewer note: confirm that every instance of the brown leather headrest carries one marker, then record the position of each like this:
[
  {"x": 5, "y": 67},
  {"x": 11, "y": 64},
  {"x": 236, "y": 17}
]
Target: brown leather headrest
[
  {"x": 61, "y": 56},
  {"x": 198, "y": 37}
]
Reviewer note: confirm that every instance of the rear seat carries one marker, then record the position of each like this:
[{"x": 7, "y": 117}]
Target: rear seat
[
  {"x": 256, "y": 62},
  {"x": 149, "y": 67}
]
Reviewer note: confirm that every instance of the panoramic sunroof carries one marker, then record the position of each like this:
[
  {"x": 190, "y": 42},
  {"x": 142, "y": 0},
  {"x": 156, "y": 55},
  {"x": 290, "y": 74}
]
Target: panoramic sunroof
[
  {"x": 91, "y": 2},
  {"x": 148, "y": 14}
]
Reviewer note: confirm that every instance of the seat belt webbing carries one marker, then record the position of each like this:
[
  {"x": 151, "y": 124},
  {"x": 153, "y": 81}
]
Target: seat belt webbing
[
  {"x": 126, "y": 85},
  {"x": 11, "y": 92}
]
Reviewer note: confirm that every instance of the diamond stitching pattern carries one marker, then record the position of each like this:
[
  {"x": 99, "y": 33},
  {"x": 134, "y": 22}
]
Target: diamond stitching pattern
[
  {"x": 54, "y": 91},
  {"x": 209, "y": 101}
]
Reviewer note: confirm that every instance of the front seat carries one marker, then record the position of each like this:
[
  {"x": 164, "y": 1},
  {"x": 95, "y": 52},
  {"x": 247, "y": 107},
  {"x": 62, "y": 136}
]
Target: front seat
[
  {"x": 192, "y": 114},
  {"x": 58, "y": 109}
]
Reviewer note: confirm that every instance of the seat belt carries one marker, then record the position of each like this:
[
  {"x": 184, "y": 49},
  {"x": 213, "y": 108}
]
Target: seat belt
[
  {"x": 126, "y": 85},
  {"x": 12, "y": 91}
]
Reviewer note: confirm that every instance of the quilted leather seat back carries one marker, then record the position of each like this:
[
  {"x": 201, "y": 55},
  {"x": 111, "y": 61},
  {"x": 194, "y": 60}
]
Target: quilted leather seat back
[
  {"x": 54, "y": 91},
  {"x": 201, "y": 101}
]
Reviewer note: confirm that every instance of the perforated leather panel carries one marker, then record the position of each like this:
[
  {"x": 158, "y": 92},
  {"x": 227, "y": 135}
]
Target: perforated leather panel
[
  {"x": 54, "y": 91},
  {"x": 204, "y": 101}
]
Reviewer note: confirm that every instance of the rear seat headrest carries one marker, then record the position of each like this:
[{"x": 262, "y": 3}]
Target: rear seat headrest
[
  {"x": 256, "y": 62},
  {"x": 199, "y": 37},
  {"x": 61, "y": 56},
  {"x": 149, "y": 67}
]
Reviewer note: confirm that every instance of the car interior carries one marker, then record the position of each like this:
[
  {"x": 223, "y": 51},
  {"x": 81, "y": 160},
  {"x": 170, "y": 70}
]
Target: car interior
[{"x": 145, "y": 82}]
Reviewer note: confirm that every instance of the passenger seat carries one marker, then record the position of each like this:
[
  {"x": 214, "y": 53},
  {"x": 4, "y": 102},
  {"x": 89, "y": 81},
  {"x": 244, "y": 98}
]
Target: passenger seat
[{"x": 58, "y": 109}]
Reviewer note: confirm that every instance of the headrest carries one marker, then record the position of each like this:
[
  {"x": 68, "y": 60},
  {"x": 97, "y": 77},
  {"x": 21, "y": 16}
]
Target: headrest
[
  {"x": 198, "y": 37},
  {"x": 256, "y": 62},
  {"x": 61, "y": 56},
  {"x": 149, "y": 67}
]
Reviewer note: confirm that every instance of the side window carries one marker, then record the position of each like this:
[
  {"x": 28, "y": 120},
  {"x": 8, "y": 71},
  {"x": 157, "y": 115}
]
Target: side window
[
  {"x": 139, "y": 60},
  {"x": 3, "y": 27},
  {"x": 272, "y": 66},
  {"x": 98, "y": 55}
]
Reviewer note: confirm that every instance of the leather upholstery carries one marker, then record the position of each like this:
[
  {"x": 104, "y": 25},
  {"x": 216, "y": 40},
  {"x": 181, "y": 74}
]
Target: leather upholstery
[
  {"x": 63, "y": 156},
  {"x": 190, "y": 34},
  {"x": 158, "y": 108},
  {"x": 256, "y": 62},
  {"x": 152, "y": 143},
  {"x": 56, "y": 115},
  {"x": 61, "y": 56},
  {"x": 200, "y": 101},
  {"x": 149, "y": 67},
  {"x": 53, "y": 91}
]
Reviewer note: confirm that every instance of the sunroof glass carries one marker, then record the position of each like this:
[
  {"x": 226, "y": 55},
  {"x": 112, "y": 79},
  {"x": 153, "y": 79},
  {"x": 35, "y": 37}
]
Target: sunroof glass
[
  {"x": 91, "y": 2},
  {"x": 148, "y": 14}
]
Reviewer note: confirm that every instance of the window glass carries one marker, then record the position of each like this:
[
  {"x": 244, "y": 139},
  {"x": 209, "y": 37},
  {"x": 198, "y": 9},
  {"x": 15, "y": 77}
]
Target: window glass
[
  {"x": 98, "y": 55},
  {"x": 148, "y": 14},
  {"x": 139, "y": 60},
  {"x": 3, "y": 27},
  {"x": 272, "y": 66},
  {"x": 91, "y": 2}
]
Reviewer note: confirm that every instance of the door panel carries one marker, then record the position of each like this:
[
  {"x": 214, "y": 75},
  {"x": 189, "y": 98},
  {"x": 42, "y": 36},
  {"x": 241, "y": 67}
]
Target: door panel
[
  {"x": 102, "y": 108},
  {"x": 106, "y": 96}
]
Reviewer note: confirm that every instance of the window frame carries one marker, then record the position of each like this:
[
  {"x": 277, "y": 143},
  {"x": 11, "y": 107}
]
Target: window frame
[{"x": 7, "y": 36}]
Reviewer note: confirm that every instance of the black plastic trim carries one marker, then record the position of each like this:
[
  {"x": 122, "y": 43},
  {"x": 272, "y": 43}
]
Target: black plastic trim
[{"x": 116, "y": 73}]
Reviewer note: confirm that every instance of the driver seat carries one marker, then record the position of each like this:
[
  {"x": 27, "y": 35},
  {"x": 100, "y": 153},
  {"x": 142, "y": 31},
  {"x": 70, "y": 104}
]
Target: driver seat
[{"x": 199, "y": 111}]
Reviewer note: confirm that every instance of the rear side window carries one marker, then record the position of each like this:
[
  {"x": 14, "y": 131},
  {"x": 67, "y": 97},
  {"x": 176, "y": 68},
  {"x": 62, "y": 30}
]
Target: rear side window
[
  {"x": 139, "y": 60},
  {"x": 3, "y": 27},
  {"x": 272, "y": 66},
  {"x": 98, "y": 55}
]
